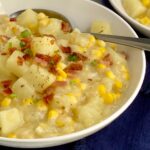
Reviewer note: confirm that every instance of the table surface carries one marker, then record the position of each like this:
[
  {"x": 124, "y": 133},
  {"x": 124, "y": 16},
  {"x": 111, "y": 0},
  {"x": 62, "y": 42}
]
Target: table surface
[{"x": 131, "y": 131}]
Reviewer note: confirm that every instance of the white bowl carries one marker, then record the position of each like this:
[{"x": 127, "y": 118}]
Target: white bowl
[
  {"x": 81, "y": 13},
  {"x": 117, "y": 4}
]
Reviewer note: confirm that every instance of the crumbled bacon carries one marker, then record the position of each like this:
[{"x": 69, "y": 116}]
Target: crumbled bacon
[
  {"x": 41, "y": 62},
  {"x": 12, "y": 49},
  {"x": 13, "y": 19},
  {"x": 3, "y": 53},
  {"x": 73, "y": 67},
  {"x": 48, "y": 98},
  {"x": 125, "y": 55},
  {"x": 80, "y": 56},
  {"x": 6, "y": 83},
  {"x": 26, "y": 57},
  {"x": 20, "y": 60},
  {"x": 7, "y": 91},
  {"x": 107, "y": 60},
  {"x": 56, "y": 58},
  {"x": 27, "y": 42},
  {"x": 43, "y": 57},
  {"x": 4, "y": 38},
  {"x": 65, "y": 27},
  {"x": 66, "y": 49}
]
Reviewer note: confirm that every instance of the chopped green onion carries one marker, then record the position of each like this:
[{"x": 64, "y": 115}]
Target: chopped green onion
[
  {"x": 13, "y": 95},
  {"x": 94, "y": 62},
  {"x": 51, "y": 62},
  {"x": 22, "y": 44},
  {"x": 28, "y": 51},
  {"x": 10, "y": 45},
  {"x": 25, "y": 33},
  {"x": 72, "y": 58}
]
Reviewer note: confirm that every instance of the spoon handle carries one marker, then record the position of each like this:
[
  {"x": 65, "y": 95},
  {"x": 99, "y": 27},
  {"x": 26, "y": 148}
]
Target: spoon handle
[{"x": 141, "y": 43}]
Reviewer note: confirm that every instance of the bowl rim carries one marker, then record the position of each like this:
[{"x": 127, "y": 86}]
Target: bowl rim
[
  {"x": 108, "y": 120},
  {"x": 126, "y": 16}
]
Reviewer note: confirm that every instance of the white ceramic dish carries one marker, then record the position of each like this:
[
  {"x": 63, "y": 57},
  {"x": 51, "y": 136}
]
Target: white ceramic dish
[
  {"x": 117, "y": 4},
  {"x": 79, "y": 13}
]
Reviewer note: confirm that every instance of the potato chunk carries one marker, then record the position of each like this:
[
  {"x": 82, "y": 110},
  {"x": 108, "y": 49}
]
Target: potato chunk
[
  {"x": 44, "y": 45},
  {"x": 101, "y": 27},
  {"x": 134, "y": 7},
  {"x": 23, "y": 89},
  {"x": 10, "y": 120},
  {"x": 5, "y": 74},
  {"x": 39, "y": 78},
  {"x": 14, "y": 67},
  {"x": 28, "y": 19}
]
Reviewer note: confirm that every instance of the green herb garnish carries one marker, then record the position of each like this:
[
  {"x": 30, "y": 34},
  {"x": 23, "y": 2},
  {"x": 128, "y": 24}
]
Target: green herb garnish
[
  {"x": 25, "y": 34},
  {"x": 22, "y": 44},
  {"x": 13, "y": 95},
  {"x": 28, "y": 51},
  {"x": 94, "y": 62},
  {"x": 72, "y": 58},
  {"x": 10, "y": 45}
]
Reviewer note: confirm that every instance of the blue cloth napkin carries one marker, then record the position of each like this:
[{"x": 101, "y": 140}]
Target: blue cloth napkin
[{"x": 131, "y": 131}]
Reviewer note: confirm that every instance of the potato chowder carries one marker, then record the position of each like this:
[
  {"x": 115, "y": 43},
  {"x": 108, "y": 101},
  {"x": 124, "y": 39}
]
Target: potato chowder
[
  {"x": 55, "y": 81},
  {"x": 139, "y": 10}
]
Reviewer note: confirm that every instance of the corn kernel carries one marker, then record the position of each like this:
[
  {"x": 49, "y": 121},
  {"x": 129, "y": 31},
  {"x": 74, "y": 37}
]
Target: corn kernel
[
  {"x": 6, "y": 102},
  {"x": 124, "y": 68},
  {"x": 102, "y": 89},
  {"x": 61, "y": 65},
  {"x": 42, "y": 106},
  {"x": 72, "y": 98},
  {"x": 126, "y": 75},
  {"x": 76, "y": 80},
  {"x": 52, "y": 114},
  {"x": 102, "y": 49},
  {"x": 144, "y": 20},
  {"x": 110, "y": 75},
  {"x": 28, "y": 101},
  {"x": 60, "y": 123},
  {"x": 62, "y": 73},
  {"x": 83, "y": 86},
  {"x": 146, "y": 2},
  {"x": 97, "y": 53},
  {"x": 109, "y": 98},
  {"x": 44, "y": 22},
  {"x": 41, "y": 16},
  {"x": 60, "y": 78},
  {"x": 118, "y": 84},
  {"x": 101, "y": 66},
  {"x": 101, "y": 43},
  {"x": 11, "y": 135}
]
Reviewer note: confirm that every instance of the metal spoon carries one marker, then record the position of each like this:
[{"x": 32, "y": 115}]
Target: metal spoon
[{"x": 140, "y": 43}]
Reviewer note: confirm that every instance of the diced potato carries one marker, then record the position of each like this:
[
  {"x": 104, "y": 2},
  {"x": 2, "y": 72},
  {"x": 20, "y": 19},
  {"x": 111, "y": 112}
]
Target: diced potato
[
  {"x": 4, "y": 72},
  {"x": 89, "y": 113},
  {"x": 39, "y": 78},
  {"x": 28, "y": 19},
  {"x": 53, "y": 27},
  {"x": 10, "y": 120},
  {"x": 101, "y": 27},
  {"x": 13, "y": 66},
  {"x": 134, "y": 7},
  {"x": 44, "y": 45},
  {"x": 13, "y": 42},
  {"x": 23, "y": 89}
]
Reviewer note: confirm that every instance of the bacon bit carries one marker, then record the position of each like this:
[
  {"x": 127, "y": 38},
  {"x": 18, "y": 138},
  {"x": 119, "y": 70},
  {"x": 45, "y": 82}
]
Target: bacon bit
[
  {"x": 43, "y": 57},
  {"x": 73, "y": 67},
  {"x": 52, "y": 69},
  {"x": 65, "y": 27},
  {"x": 13, "y": 19},
  {"x": 52, "y": 42},
  {"x": 90, "y": 79},
  {"x": 66, "y": 50},
  {"x": 26, "y": 57},
  {"x": 107, "y": 60},
  {"x": 48, "y": 98},
  {"x": 12, "y": 49},
  {"x": 41, "y": 62},
  {"x": 3, "y": 53},
  {"x": 4, "y": 38},
  {"x": 56, "y": 58},
  {"x": 7, "y": 91},
  {"x": 125, "y": 55},
  {"x": 6, "y": 83},
  {"x": 80, "y": 56},
  {"x": 27, "y": 42},
  {"x": 20, "y": 60},
  {"x": 59, "y": 83}
]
